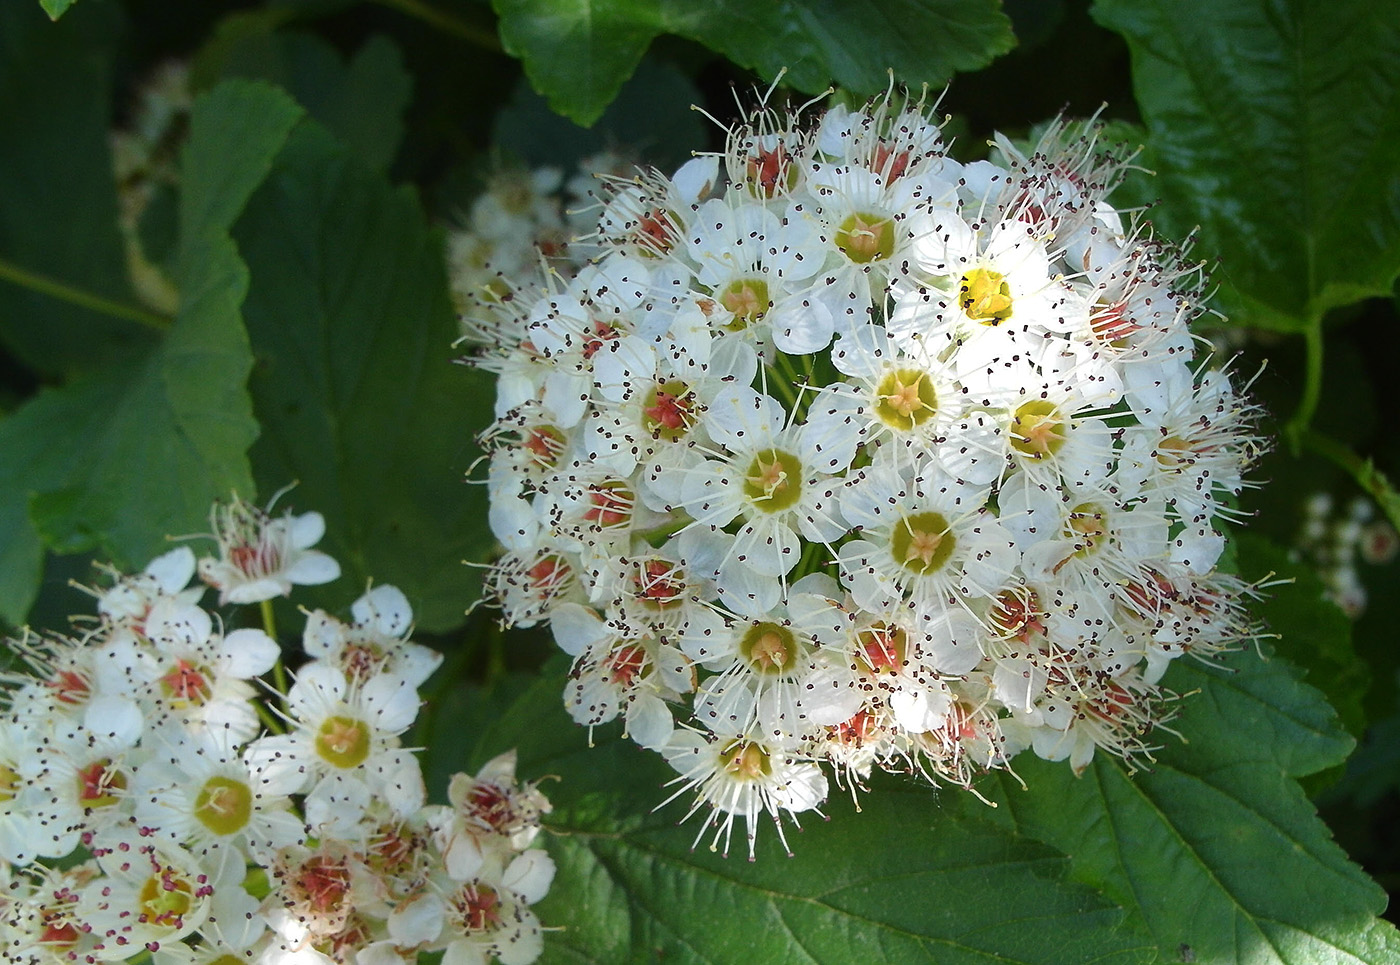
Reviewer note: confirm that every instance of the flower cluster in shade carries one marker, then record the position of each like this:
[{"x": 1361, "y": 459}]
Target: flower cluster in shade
[
  {"x": 145, "y": 157},
  {"x": 846, "y": 455},
  {"x": 1333, "y": 539},
  {"x": 160, "y": 801},
  {"x": 522, "y": 218}
]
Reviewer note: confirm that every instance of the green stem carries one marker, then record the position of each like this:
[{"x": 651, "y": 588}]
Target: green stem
[
  {"x": 269, "y": 619},
  {"x": 1298, "y": 426},
  {"x": 279, "y": 670},
  {"x": 446, "y": 22},
  {"x": 269, "y": 719},
  {"x": 76, "y": 296},
  {"x": 1367, "y": 476}
]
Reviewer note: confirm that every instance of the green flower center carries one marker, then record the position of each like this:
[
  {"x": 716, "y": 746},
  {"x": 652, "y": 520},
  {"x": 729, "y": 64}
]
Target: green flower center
[
  {"x": 9, "y": 783},
  {"x": 922, "y": 543},
  {"x": 746, "y": 761},
  {"x": 769, "y": 648},
  {"x": 343, "y": 741},
  {"x": 985, "y": 296},
  {"x": 669, "y": 410},
  {"x": 224, "y": 805},
  {"x": 865, "y": 237},
  {"x": 905, "y": 398},
  {"x": 165, "y": 899},
  {"x": 773, "y": 481},
  {"x": 99, "y": 784},
  {"x": 1088, "y": 524},
  {"x": 1036, "y": 429},
  {"x": 747, "y": 299}
]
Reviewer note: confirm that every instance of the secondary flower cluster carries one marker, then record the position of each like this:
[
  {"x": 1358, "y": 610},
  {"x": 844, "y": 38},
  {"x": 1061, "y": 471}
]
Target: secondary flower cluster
[
  {"x": 523, "y": 217},
  {"x": 853, "y": 455},
  {"x": 1332, "y": 538},
  {"x": 199, "y": 815}
]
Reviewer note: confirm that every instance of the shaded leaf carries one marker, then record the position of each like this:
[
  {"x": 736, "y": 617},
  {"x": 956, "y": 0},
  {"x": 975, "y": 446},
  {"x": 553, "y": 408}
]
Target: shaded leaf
[
  {"x": 1311, "y": 630},
  {"x": 123, "y": 458},
  {"x": 1275, "y": 125},
  {"x": 578, "y": 52},
  {"x": 907, "y": 880},
  {"x": 361, "y": 100},
  {"x": 355, "y": 387},
  {"x": 1216, "y": 849},
  {"x": 58, "y": 200},
  {"x": 651, "y": 115}
]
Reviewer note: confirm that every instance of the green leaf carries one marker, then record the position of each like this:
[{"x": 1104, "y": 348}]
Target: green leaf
[
  {"x": 1215, "y": 849},
  {"x": 1311, "y": 631},
  {"x": 578, "y": 52},
  {"x": 56, "y": 8},
  {"x": 651, "y": 115},
  {"x": 356, "y": 389},
  {"x": 906, "y": 880},
  {"x": 361, "y": 100},
  {"x": 124, "y": 458},
  {"x": 58, "y": 201},
  {"x": 1275, "y": 126}
]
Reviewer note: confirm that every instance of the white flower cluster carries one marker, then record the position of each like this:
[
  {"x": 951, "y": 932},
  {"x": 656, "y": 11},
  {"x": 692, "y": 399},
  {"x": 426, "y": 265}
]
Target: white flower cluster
[
  {"x": 159, "y": 802},
  {"x": 1333, "y": 538},
  {"x": 858, "y": 456},
  {"x": 522, "y": 217}
]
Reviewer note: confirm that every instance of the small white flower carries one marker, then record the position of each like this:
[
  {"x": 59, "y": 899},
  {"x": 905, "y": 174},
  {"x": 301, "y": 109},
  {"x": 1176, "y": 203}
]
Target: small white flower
[{"x": 261, "y": 557}]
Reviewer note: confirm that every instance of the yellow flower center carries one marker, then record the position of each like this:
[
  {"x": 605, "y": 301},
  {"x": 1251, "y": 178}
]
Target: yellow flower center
[
  {"x": 985, "y": 296},
  {"x": 165, "y": 899},
  {"x": 1036, "y": 429}
]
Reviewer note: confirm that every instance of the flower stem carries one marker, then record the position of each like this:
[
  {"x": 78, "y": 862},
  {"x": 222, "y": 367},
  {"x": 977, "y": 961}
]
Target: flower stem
[
  {"x": 446, "y": 22},
  {"x": 1364, "y": 471},
  {"x": 279, "y": 670},
  {"x": 268, "y": 718},
  {"x": 268, "y": 619},
  {"x": 75, "y": 296}
]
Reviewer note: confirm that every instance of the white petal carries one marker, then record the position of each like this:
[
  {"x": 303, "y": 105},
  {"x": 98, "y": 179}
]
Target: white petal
[
  {"x": 312, "y": 569},
  {"x": 385, "y": 608},
  {"x": 307, "y": 530},
  {"x": 530, "y": 875},
  {"x": 248, "y": 652},
  {"x": 417, "y": 921}
]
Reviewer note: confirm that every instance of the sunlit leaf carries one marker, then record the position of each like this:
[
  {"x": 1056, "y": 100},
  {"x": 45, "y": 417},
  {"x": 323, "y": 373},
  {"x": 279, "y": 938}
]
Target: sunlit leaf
[
  {"x": 1215, "y": 848},
  {"x": 578, "y": 52},
  {"x": 1274, "y": 127},
  {"x": 906, "y": 880}
]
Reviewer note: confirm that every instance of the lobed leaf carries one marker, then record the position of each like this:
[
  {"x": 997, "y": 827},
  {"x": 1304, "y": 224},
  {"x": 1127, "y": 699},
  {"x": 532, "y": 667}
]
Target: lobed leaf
[
  {"x": 579, "y": 52},
  {"x": 124, "y": 457},
  {"x": 361, "y": 100},
  {"x": 355, "y": 387},
  {"x": 1274, "y": 127}
]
